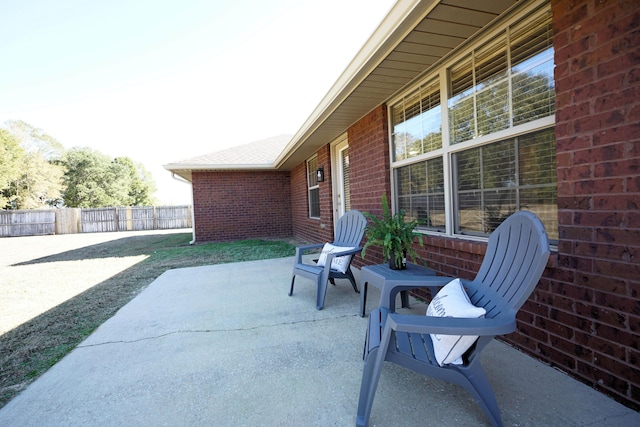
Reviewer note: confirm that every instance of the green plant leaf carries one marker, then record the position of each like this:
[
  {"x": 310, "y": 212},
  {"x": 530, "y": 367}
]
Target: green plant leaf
[{"x": 392, "y": 233}]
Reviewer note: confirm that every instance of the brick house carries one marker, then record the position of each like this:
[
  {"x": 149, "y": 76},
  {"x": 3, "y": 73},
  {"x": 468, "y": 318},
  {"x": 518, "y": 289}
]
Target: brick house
[{"x": 461, "y": 115}]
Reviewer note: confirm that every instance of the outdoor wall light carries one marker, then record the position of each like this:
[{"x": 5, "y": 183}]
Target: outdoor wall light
[{"x": 320, "y": 175}]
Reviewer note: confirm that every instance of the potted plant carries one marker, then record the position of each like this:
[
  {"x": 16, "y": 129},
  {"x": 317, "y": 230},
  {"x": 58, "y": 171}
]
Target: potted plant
[{"x": 393, "y": 234}]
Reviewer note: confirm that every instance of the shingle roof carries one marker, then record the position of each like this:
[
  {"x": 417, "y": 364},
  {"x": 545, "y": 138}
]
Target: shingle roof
[{"x": 258, "y": 153}]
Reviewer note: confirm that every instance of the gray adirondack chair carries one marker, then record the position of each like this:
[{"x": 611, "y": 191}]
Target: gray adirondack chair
[
  {"x": 516, "y": 256},
  {"x": 348, "y": 233}
]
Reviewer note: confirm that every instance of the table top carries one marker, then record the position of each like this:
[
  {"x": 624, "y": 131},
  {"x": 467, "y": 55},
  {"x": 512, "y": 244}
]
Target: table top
[{"x": 413, "y": 273}]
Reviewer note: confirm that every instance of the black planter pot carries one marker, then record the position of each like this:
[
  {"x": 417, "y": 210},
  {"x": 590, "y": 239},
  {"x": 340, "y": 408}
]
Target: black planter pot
[{"x": 393, "y": 265}]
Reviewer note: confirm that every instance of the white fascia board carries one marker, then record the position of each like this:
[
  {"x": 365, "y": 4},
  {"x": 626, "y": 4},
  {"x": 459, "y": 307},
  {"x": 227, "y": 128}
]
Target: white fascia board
[{"x": 217, "y": 167}]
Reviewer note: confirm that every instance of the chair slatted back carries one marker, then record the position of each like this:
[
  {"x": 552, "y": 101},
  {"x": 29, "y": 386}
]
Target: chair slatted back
[
  {"x": 516, "y": 255},
  {"x": 350, "y": 229}
]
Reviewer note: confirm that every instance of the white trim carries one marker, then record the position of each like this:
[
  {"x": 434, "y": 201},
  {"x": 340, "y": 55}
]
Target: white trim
[
  {"x": 512, "y": 132},
  {"x": 392, "y": 178},
  {"x": 213, "y": 167},
  {"x": 449, "y": 211},
  {"x": 311, "y": 187},
  {"x": 337, "y": 179}
]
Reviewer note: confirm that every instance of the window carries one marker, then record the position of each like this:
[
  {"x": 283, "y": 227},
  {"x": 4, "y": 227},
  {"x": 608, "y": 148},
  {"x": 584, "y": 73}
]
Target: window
[
  {"x": 421, "y": 192},
  {"x": 495, "y": 180},
  {"x": 496, "y": 154},
  {"x": 313, "y": 188},
  {"x": 495, "y": 87},
  {"x": 417, "y": 123},
  {"x": 346, "y": 179}
]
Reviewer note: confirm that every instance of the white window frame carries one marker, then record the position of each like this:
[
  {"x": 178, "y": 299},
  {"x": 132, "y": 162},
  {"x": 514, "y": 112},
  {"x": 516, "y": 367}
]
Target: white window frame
[
  {"x": 448, "y": 149},
  {"x": 312, "y": 185},
  {"x": 340, "y": 204}
]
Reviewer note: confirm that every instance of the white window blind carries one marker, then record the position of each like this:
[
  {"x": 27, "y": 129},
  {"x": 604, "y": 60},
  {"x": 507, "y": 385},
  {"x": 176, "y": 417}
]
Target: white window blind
[
  {"x": 503, "y": 83},
  {"x": 498, "y": 155},
  {"x": 416, "y": 123}
]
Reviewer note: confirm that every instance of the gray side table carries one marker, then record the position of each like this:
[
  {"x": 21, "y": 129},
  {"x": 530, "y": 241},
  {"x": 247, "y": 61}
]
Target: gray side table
[{"x": 381, "y": 276}]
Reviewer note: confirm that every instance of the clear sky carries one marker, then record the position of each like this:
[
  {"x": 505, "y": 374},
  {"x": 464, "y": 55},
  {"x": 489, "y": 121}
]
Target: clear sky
[{"x": 164, "y": 80}]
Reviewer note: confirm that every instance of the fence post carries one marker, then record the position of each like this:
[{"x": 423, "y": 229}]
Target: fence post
[{"x": 68, "y": 221}]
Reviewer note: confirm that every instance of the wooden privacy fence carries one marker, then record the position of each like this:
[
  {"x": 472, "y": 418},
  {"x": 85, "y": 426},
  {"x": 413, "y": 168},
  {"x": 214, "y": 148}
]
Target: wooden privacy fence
[
  {"x": 85, "y": 220},
  {"x": 27, "y": 223}
]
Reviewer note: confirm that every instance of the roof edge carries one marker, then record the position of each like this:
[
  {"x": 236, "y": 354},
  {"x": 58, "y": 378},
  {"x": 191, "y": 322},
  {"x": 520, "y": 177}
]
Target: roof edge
[
  {"x": 394, "y": 24},
  {"x": 212, "y": 167}
]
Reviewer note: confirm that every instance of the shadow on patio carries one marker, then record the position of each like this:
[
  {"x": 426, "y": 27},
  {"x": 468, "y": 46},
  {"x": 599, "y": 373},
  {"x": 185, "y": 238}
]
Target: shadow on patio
[{"x": 224, "y": 345}]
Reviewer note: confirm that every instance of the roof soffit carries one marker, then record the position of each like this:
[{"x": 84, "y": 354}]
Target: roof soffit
[{"x": 414, "y": 37}]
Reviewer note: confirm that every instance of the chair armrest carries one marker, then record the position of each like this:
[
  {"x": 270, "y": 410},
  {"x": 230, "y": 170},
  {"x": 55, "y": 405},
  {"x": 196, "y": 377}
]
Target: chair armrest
[
  {"x": 300, "y": 250},
  {"x": 305, "y": 248},
  {"x": 450, "y": 325},
  {"x": 389, "y": 292},
  {"x": 331, "y": 256},
  {"x": 349, "y": 252}
]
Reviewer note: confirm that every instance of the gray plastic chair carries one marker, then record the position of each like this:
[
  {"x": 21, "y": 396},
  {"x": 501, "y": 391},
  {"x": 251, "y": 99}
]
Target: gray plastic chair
[
  {"x": 516, "y": 256},
  {"x": 348, "y": 233}
]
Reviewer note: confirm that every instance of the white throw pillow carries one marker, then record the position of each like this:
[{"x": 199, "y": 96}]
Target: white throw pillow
[
  {"x": 453, "y": 301},
  {"x": 340, "y": 263}
]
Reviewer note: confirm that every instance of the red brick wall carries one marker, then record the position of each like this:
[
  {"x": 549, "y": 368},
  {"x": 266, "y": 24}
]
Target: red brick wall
[
  {"x": 590, "y": 314},
  {"x": 369, "y": 174},
  {"x": 369, "y": 169},
  {"x": 241, "y": 205},
  {"x": 312, "y": 230},
  {"x": 303, "y": 227},
  {"x": 584, "y": 316}
]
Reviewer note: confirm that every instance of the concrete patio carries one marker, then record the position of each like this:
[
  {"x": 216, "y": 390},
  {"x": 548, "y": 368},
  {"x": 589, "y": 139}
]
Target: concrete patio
[{"x": 224, "y": 345}]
